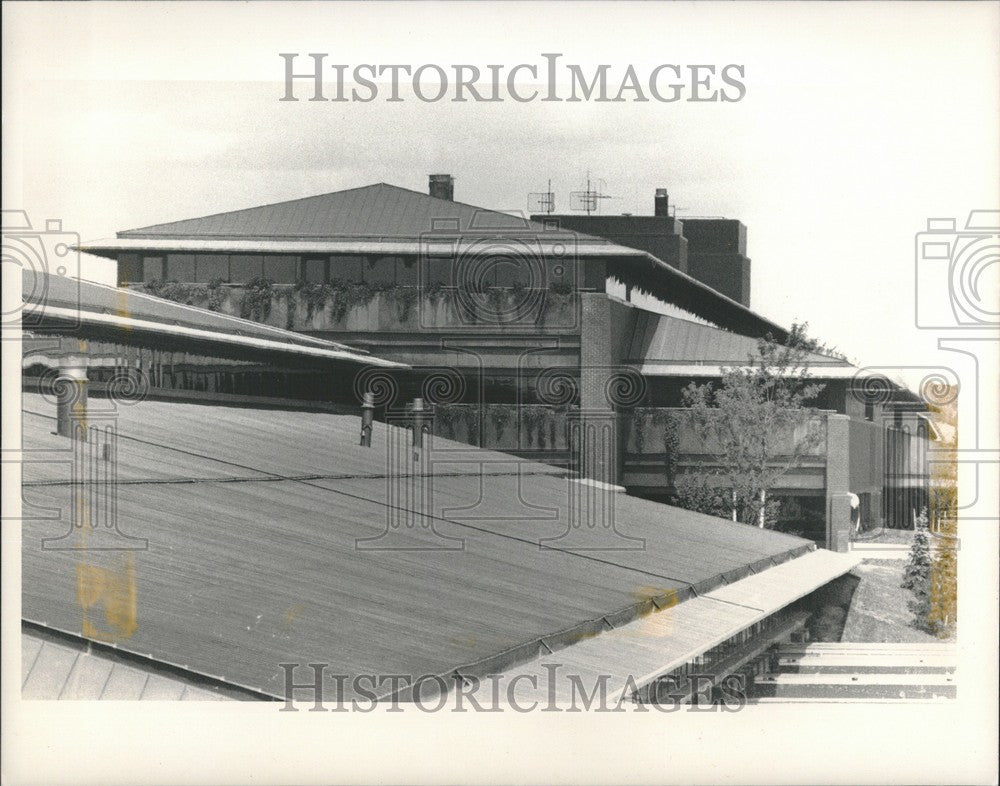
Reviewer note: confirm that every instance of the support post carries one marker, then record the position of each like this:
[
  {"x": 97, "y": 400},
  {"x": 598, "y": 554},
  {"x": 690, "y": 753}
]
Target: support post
[{"x": 838, "y": 496}]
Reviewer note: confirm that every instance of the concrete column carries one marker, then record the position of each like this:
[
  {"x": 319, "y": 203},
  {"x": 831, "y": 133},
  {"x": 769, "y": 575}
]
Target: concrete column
[
  {"x": 838, "y": 501},
  {"x": 71, "y": 393},
  {"x": 598, "y": 426}
]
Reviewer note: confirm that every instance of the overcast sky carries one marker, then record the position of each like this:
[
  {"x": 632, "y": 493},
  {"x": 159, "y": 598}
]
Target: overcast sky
[{"x": 859, "y": 123}]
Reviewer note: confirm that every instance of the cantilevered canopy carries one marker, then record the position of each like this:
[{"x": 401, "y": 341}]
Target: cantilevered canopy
[{"x": 635, "y": 654}]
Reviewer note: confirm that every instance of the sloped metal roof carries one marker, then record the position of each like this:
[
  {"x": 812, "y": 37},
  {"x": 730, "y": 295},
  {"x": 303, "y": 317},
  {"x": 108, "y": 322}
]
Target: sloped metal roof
[
  {"x": 52, "y": 300},
  {"x": 380, "y": 211},
  {"x": 244, "y": 573},
  {"x": 56, "y": 667}
]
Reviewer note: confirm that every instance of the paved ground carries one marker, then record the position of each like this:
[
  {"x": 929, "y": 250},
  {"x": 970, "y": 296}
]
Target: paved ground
[{"x": 883, "y": 536}]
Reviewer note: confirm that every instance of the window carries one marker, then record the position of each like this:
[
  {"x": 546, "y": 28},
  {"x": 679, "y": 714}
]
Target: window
[
  {"x": 245, "y": 267},
  {"x": 380, "y": 271},
  {"x": 209, "y": 267},
  {"x": 152, "y": 269},
  {"x": 314, "y": 270},
  {"x": 281, "y": 269},
  {"x": 180, "y": 267},
  {"x": 560, "y": 271},
  {"x": 511, "y": 269},
  {"x": 129, "y": 268},
  {"x": 347, "y": 269},
  {"x": 437, "y": 270},
  {"x": 406, "y": 271}
]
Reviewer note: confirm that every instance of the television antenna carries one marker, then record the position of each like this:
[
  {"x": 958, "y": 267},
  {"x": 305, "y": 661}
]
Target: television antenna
[
  {"x": 542, "y": 201},
  {"x": 589, "y": 201}
]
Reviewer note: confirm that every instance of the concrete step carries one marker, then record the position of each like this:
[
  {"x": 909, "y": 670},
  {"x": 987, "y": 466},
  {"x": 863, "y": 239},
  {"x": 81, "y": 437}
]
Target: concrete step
[
  {"x": 865, "y": 663},
  {"x": 835, "y": 700},
  {"x": 854, "y": 686},
  {"x": 850, "y": 648}
]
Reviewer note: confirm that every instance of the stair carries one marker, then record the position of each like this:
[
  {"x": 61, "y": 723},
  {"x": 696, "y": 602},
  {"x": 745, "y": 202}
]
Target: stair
[{"x": 857, "y": 672}]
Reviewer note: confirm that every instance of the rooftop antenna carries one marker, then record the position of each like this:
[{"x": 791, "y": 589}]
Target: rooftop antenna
[
  {"x": 588, "y": 201},
  {"x": 542, "y": 202}
]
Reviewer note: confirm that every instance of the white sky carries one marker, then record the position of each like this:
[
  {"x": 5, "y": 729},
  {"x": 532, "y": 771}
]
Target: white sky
[{"x": 860, "y": 121}]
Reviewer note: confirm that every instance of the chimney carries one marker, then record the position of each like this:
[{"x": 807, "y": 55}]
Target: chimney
[
  {"x": 660, "y": 203},
  {"x": 442, "y": 187}
]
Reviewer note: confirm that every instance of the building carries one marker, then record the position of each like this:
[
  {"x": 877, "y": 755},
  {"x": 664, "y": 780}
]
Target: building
[{"x": 516, "y": 335}]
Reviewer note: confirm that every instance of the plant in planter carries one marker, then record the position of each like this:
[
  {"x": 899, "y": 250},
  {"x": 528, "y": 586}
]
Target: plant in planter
[
  {"x": 500, "y": 416},
  {"x": 445, "y": 417},
  {"x": 257, "y": 297},
  {"x": 533, "y": 416},
  {"x": 471, "y": 417},
  {"x": 348, "y": 296},
  {"x": 187, "y": 294},
  {"x": 406, "y": 298},
  {"x": 216, "y": 294},
  {"x": 497, "y": 298},
  {"x": 313, "y": 294}
]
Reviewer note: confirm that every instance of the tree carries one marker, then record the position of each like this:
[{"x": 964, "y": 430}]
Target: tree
[
  {"x": 917, "y": 572},
  {"x": 757, "y": 424},
  {"x": 943, "y": 615},
  {"x": 931, "y": 574}
]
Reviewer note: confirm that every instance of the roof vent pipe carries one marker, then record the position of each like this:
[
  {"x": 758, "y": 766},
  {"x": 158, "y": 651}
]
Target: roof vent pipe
[
  {"x": 71, "y": 397},
  {"x": 420, "y": 424},
  {"x": 442, "y": 187},
  {"x": 367, "y": 419}
]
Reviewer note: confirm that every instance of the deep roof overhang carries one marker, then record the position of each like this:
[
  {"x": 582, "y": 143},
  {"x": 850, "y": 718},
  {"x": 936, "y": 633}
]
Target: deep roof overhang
[{"x": 635, "y": 268}]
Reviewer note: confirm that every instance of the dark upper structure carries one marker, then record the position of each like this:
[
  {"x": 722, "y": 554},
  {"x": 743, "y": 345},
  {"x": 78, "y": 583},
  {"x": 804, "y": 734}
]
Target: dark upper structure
[{"x": 710, "y": 250}]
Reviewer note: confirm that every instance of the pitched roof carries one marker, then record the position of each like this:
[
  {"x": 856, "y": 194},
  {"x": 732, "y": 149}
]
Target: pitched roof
[
  {"x": 267, "y": 565},
  {"x": 387, "y": 219},
  {"x": 76, "y": 669},
  {"x": 60, "y": 302},
  {"x": 376, "y": 212}
]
